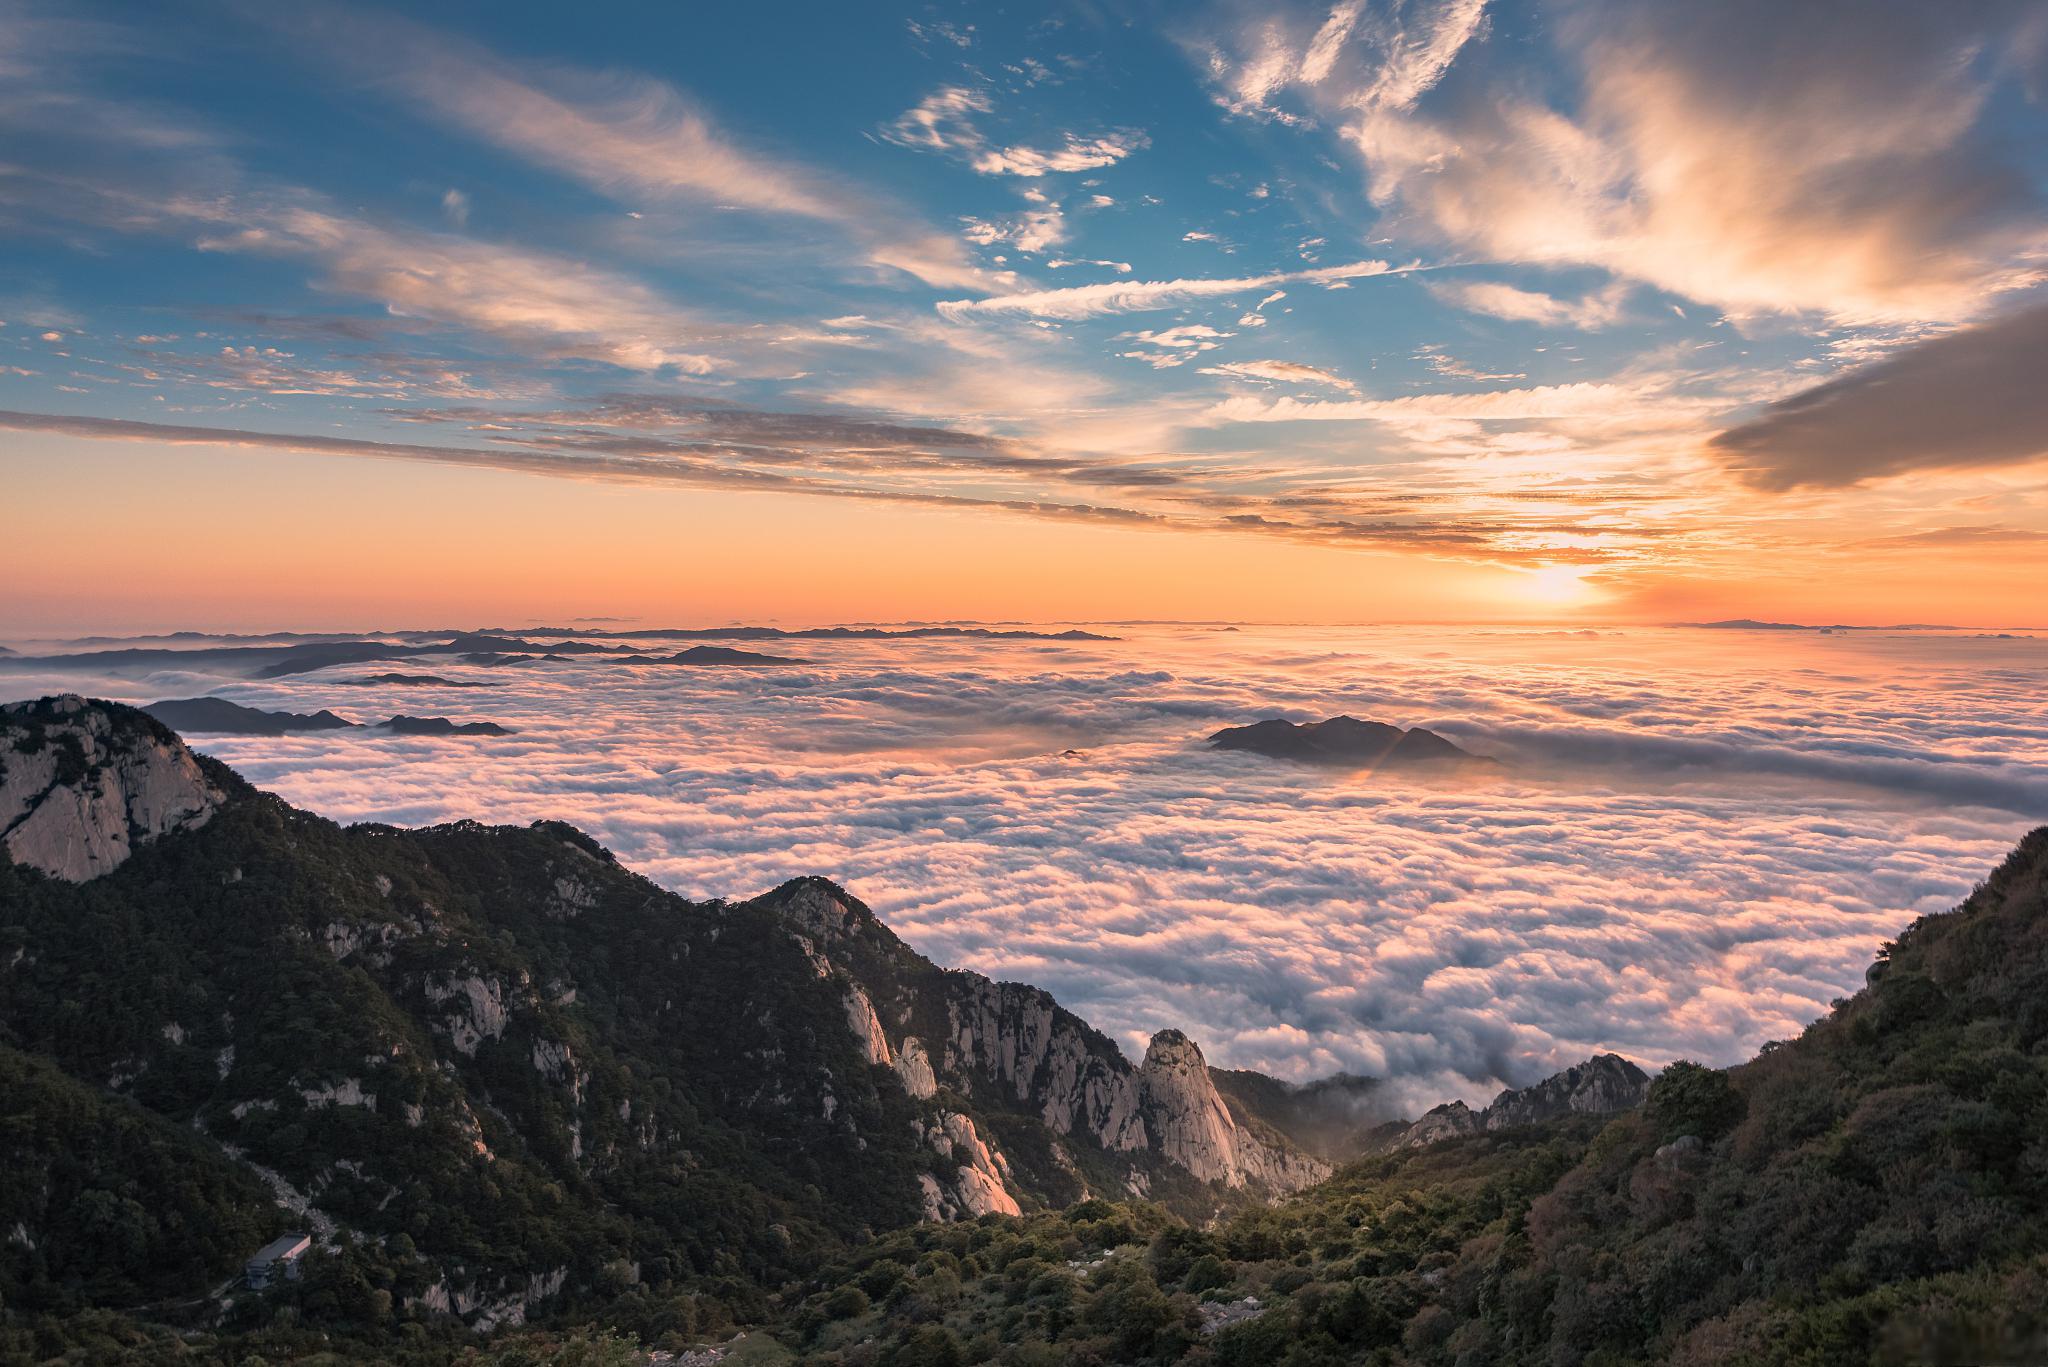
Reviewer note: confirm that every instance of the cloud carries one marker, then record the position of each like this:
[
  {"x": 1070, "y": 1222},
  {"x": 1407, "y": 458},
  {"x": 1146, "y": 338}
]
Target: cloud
[
  {"x": 654, "y": 440},
  {"x": 944, "y": 122},
  {"x": 1505, "y": 405},
  {"x": 710, "y": 463},
  {"x": 1691, "y": 854},
  {"x": 1285, "y": 372},
  {"x": 1991, "y": 537},
  {"x": 1967, "y": 399},
  {"x": 1449, "y": 366},
  {"x": 627, "y": 136},
  {"x": 1174, "y": 346},
  {"x": 1599, "y": 309},
  {"x": 1137, "y": 296},
  {"x": 1847, "y": 173},
  {"x": 1035, "y": 230},
  {"x": 1387, "y": 58},
  {"x": 561, "y": 306}
]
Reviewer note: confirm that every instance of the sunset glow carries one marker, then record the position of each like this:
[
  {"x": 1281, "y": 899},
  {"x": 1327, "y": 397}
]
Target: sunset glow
[
  {"x": 1445, "y": 311},
  {"x": 1134, "y": 683}
]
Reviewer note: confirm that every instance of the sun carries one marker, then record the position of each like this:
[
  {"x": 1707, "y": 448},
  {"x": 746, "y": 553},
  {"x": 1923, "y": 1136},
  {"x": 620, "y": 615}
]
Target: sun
[{"x": 1556, "y": 586}]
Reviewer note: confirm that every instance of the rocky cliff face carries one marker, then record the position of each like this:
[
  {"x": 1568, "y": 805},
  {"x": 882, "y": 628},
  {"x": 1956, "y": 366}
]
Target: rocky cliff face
[
  {"x": 499, "y": 1038},
  {"x": 1011, "y": 1048},
  {"x": 1601, "y": 1085},
  {"x": 1191, "y": 1125},
  {"x": 82, "y": 786}
]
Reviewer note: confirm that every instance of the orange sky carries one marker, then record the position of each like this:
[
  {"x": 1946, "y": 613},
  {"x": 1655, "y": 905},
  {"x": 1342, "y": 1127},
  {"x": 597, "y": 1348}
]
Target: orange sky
[{"x": 237, "y": 538}]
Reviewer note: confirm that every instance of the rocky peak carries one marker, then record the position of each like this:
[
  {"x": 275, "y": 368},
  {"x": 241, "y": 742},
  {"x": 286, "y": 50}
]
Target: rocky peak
[
  {"x": 1191, "y": 1124},
  {"x": 1185, "y": 1115},
  {"x": 84, "y": 784},
  {"x": 1602, "y": 1085},
  {"x": 820, "y": 909},
  {"x": 1173, "y": 1052}
]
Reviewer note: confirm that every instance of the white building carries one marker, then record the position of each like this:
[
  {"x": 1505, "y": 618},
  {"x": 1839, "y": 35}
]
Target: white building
[{"x": 280, "y": 1254}]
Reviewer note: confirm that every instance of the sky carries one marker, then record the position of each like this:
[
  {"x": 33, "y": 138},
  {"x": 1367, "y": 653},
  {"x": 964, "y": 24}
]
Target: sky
[
  {"x": 1393, "y": 310},
  {"x": 1693, "y": 840}
]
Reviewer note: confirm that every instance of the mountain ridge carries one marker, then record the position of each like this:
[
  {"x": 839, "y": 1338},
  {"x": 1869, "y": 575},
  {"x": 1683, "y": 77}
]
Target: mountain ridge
[{"x": 383, "y": 1021}]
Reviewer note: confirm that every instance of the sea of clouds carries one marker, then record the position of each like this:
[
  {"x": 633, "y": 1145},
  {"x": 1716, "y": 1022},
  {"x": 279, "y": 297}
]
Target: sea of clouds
[{"x": 1696, "y": 839}]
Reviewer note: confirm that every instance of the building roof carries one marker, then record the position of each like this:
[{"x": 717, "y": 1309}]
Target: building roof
[{"x": 283, "y": 1246}]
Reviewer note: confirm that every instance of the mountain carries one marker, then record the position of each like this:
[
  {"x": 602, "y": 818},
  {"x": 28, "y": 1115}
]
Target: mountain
[
  {"x": 218, "y": 716},
  {"x": 1602, "y": 1085},
  {"x": 83, "y": 785},
  {"x": 488, "y": 1066},
  {"x": 721, "y": 655},
  {"x": 1872, "y": 1191},
  {"x": 441, "y": 726},
  {"x": 512, "y": 1087},
  {"x": 819, "y": 633},
  {"x": 412, "y": 681},
  {"x": 1333, "y": 1118},
  {"x": 221, "y": 717},
  {"x": 1344, "y": 741}
]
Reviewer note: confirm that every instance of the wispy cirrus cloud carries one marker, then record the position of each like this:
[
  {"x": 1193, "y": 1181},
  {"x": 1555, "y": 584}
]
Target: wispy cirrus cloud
[
  {"x": 557, "y": 304},
  {"x": 1385, "y": 58},
  {"x": 1589, "y": 312},
  {"x": 945, "y": 122},
  {"x": 1139, "y": 296},
  {"x": 630, "y": 136},
  {"x": 659, "y": 441},
  {"x": 1593, "y": 400},
  {"x": 1284, "y": 372}
]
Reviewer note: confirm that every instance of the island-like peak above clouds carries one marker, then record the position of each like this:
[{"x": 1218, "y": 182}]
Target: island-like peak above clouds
[
  {"x": 721, "y": 655},
  {"x": 1344, "y": 742},
  {"x": 442, "y": 726},
  {"x": 218, "y": 716}
]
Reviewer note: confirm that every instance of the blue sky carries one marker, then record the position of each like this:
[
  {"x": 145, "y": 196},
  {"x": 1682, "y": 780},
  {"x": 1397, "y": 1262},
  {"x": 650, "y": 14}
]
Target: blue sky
[{"x": 1542, "y": 288}]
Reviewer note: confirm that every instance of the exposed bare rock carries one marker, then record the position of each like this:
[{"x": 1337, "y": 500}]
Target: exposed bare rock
[
  {"x": 1190, "y": 1124},
  {"x": 980, "y": 1186},
  {"x": 860, "y": 1016},
  {"x": 82, "y": 786},
  {"x": 1018, "y": 1036},
  {"x": 1602, "y": 1085},
  {"x": 347, "y": 1092},
  {"x": 480, "y": 1012},
  {"x": 1441, "y": 1122},
  {"x": 914, "y": 1070},
  {"x": 1013, "y": 1047}
]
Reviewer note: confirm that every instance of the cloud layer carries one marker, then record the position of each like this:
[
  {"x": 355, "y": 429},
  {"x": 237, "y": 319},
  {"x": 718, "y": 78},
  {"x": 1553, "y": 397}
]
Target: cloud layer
[{"x": 1690, "y": 851}]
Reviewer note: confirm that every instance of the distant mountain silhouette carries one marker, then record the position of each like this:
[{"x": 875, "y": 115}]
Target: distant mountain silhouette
[
  {"x": 1343, "y": 742},
  {"x": 821, "y": 633},
  {"x": 1751, "y": 624},
  {"x": 721, "y": 655},
  {"x": 441, "y": 726},
  {"x": 414, "y": 681},
  {"x": 221, "y": 717}
]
